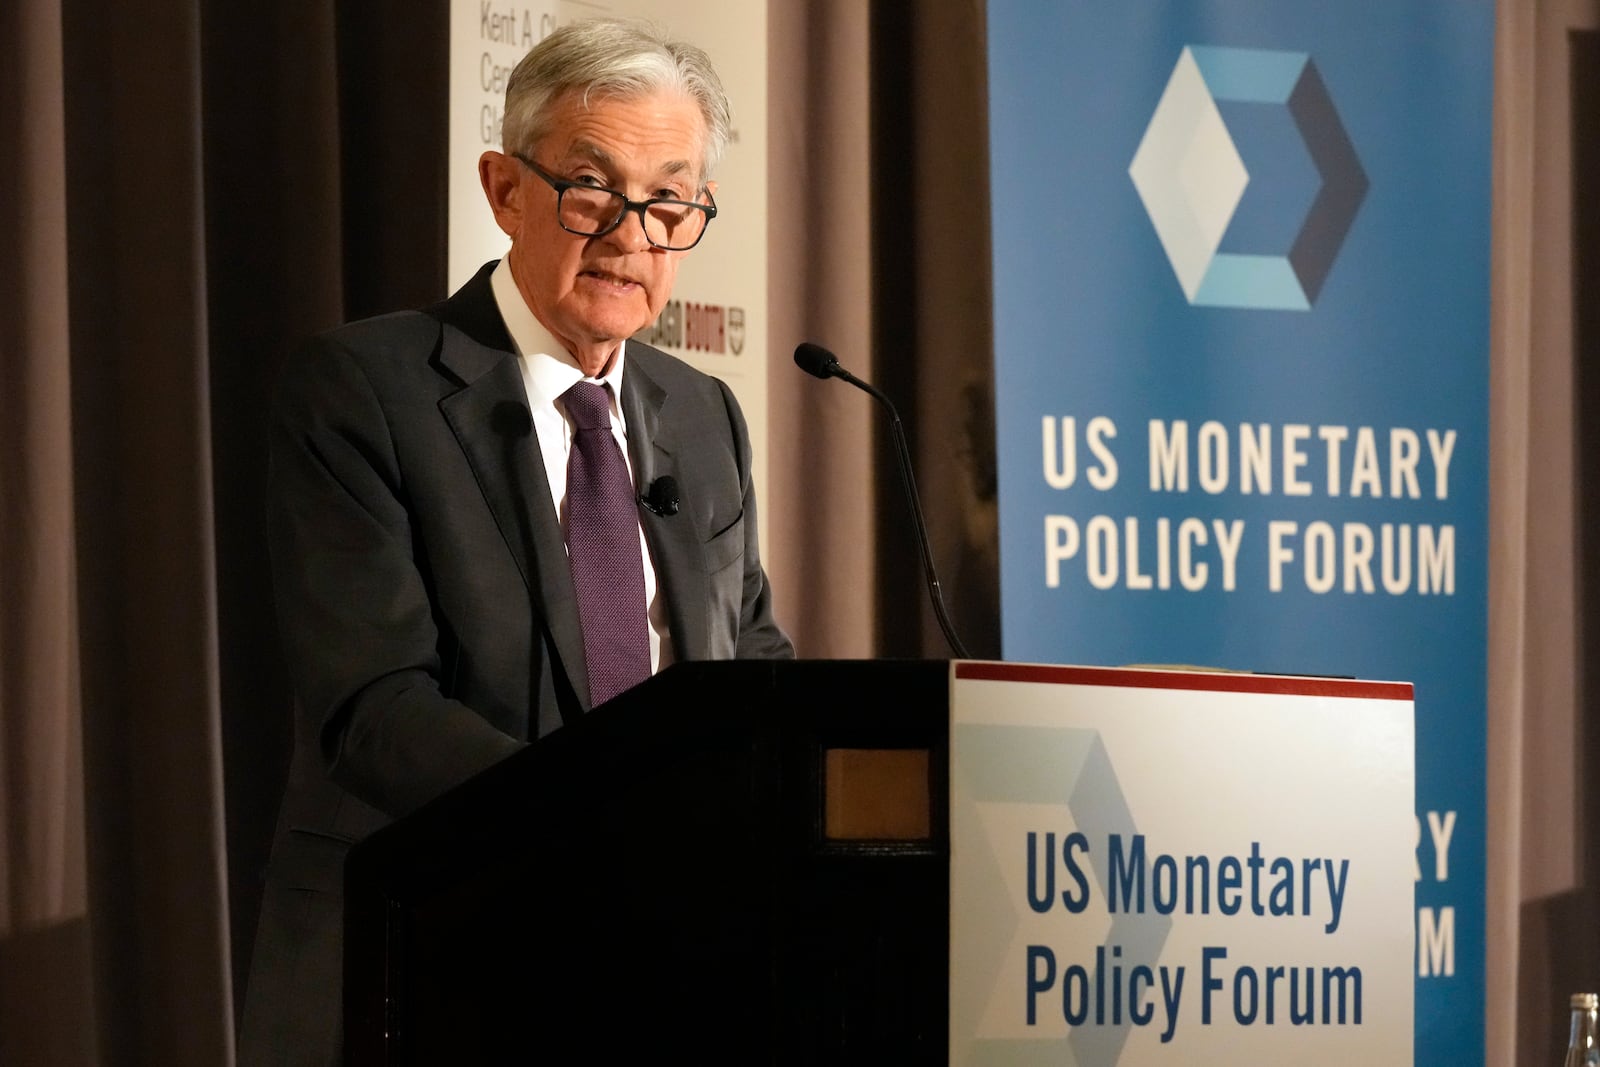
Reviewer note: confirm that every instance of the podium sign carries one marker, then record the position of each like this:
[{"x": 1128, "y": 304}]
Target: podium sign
[{"x": 1176, "y": 867}]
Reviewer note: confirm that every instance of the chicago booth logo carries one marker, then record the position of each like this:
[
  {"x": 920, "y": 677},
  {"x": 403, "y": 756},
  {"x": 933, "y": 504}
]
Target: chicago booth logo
[{"x": 1191, "y": 177}]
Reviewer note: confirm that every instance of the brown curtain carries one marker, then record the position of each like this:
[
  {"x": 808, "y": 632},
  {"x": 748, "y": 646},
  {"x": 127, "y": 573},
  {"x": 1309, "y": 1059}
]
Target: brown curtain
[
  {"x": 169, "y": 183},
  {"x": 933, "y": 326},
  {"x": 44, "y": 954},
  {"x": 1544, "y": 596},
  {"x": 820, "y": 466},
  {"x": 113, "y": 944},
  {"x": 189, "y": 186},
  {"x": 275, "y": 235},
  {"x": 879, "y": 164}
]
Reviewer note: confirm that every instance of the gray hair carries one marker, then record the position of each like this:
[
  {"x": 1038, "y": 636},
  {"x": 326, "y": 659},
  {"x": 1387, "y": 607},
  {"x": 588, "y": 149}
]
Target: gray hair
[{"x": 611, "y": 57}]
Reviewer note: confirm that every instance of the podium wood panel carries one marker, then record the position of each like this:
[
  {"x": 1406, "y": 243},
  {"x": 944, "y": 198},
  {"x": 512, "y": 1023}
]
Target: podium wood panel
[{"x": 660, "y": 877}]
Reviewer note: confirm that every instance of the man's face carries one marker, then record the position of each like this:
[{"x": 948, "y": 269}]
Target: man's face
[{"x": 591, "y": 292}]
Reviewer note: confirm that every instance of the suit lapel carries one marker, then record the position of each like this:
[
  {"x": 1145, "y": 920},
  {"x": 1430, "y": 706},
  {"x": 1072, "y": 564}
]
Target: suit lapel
[
  {"x": 674, "y": 545},
  {"x": 492, "y": 423}
]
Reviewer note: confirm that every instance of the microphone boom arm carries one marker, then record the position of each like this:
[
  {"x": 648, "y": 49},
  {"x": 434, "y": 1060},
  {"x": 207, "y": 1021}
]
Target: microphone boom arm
[{"x": 822, "y": 364}]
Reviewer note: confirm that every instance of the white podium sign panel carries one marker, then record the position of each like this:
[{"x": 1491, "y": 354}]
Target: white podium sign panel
[{"x": 1176, "y": 867}]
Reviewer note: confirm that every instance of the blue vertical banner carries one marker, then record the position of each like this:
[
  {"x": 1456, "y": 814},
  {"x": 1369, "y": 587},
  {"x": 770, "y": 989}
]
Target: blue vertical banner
[{"x": 1241, "y": 269}]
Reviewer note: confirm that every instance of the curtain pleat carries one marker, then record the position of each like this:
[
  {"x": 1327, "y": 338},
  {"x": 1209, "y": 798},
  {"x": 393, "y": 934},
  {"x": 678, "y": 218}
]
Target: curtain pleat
[
  {"x": 140, "y": 425},
  {"x": 821, "y": 469},
  {"x": 45, "y": 975}
]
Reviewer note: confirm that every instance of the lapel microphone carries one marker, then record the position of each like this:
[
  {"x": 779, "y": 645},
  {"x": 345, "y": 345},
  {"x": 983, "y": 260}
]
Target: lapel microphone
[
  {"x": 820, "y": 363},
  {"x": 662, "y": 496}
]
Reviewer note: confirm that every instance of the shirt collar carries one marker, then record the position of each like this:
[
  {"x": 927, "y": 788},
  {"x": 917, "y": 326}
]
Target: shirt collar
[{"x": 548, "y": 369}]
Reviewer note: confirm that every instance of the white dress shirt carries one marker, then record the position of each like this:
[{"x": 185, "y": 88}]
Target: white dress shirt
[{"x": 548, "y": 370}]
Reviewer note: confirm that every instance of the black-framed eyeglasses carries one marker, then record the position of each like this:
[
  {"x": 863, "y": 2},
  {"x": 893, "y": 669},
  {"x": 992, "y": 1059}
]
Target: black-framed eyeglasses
[{"x": 592, "y": 211}]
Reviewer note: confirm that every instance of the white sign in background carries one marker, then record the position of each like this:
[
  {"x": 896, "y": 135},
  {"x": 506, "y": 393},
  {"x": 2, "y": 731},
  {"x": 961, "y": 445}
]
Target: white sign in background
[
  {"x": 717, "y": 318},
  {"x": 1173, "y": 875},
  {"x": 486, "y": 40}
]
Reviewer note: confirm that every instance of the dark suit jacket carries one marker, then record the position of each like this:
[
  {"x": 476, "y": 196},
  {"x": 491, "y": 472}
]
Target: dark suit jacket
[{"x": 425, "y": 602}]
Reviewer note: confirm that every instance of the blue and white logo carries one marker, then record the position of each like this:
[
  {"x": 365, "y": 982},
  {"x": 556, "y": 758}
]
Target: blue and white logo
[
  {"x": 1032, "y": 766},
  {"x": 1191, "y": 177}
]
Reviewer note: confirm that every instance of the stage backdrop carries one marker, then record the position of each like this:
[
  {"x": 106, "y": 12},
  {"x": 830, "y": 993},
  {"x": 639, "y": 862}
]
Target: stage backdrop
[
  {"x": 717, "y": 317},
  {"x": 1241, "y": 269}
]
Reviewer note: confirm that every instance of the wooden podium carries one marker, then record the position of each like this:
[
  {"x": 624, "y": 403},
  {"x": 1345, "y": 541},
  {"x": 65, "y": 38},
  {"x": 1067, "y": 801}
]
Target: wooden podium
[{"x": 743, "y": 862}]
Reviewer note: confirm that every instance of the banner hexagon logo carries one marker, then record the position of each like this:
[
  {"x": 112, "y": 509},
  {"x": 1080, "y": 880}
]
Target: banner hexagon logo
[{"x": 1191, "y": 178}]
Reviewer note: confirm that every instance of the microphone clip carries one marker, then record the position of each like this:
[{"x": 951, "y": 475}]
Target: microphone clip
[{"x": 662, "y": 496}]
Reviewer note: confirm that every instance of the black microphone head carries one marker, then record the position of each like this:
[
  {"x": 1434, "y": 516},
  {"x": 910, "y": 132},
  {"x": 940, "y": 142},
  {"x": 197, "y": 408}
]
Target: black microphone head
[{"x": 816, "y": 360}]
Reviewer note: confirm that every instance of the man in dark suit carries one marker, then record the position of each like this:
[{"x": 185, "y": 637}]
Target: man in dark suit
[{"x": 438, "y": 479}]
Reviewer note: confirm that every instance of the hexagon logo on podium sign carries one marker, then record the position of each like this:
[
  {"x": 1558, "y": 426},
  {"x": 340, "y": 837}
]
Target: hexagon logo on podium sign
[
  {"x": 1071, "y": 769},
  {"x": 1191, "y": 178}
]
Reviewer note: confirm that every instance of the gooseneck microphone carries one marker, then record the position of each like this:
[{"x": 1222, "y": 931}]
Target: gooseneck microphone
[{"x": 820, "y": 363}]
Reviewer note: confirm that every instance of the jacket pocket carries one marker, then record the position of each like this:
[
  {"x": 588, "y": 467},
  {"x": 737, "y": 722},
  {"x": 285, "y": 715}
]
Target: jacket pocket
[{"x": 725, "y": 548}]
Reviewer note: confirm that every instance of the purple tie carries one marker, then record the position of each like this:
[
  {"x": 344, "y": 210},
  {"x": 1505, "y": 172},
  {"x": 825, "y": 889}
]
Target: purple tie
[{"x": 603, "y": 548}]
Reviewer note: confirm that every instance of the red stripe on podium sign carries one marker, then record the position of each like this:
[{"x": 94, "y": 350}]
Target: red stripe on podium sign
[{"x": 1219, "y": 682}]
